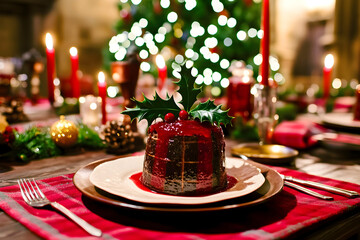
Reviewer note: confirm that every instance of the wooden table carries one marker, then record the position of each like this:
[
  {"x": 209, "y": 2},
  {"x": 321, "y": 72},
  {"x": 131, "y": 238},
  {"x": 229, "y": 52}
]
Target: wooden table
[{"x": 319, "y": 161}]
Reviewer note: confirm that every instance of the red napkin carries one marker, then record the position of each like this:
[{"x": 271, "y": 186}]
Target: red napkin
[
  {"x": 297, "y": 134},
  {"x": 288, "y": 214}
]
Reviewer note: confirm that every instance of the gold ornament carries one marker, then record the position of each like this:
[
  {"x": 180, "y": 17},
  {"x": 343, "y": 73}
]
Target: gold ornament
[
  {"x": 64, "y": 133},
  {"x": 3, "y": 123}
]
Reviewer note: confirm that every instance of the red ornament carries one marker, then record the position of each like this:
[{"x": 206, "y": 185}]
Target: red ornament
[
  {"x": 126, "y": 15},
  {"x": 8, "y": 136},
  {"x": 183, "y": 115},
  {"x": 157, "y": 7},
  {"x": 169, "y": 118},
  {"x": 225, "y": 13}
]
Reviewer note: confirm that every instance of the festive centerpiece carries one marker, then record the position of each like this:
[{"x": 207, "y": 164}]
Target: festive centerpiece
[{"x": 185, "y": 152}]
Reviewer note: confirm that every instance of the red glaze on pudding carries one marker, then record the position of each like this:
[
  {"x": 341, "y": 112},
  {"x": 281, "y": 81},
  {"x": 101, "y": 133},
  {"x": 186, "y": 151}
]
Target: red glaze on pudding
[{"x": 185, "y": 157}]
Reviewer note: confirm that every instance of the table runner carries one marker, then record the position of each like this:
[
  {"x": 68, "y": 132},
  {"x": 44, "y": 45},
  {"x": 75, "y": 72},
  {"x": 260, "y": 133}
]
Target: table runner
[{"x": 288, "y": 214}]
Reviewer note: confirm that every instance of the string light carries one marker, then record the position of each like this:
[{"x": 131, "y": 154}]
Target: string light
[
  {"x": 189, "y": 64},
  {"x": 252, "y": 32},
  {"x": 159, "y": 37},
  {"x": 222, "y": 20},
  {"x": 139, "y": 41},
  {"x": 211, "y": 42},
  {"x": 179, "y": 59},
  {"x": 190, "y": 4},
  {"x": 164, "y": 3},
  {"x": 227, "y": 42},
  {"x": 172, "y": 17},
  {"x": 143, "y": 54},
  {"x": 214, "y": 57},
  {"x": 145, "y": 66},
  {"x": 225, "y": 82},
  {"x": 217, "y": 6},
  {"x": 189, "y": 53},
  {"x": 194, "y": 72},
  {"x": 241, "y": 35},
  {"x": 151, "y": 43},
  {"x": 143, "y": 23},
  {"x": 336, "y": 84},
  {"x": 224, "y": 63},
  {"x": 195, "y": 57},
  {"x": 208, "y": 80},
  {"x": 199, "y": 79},
  {"x": 231, "y": 22},
  {"x": 136, "y": 2},
  {"x": 216, "y": 76},
  {"x": 258, "y": 59},
  {"x": 212, "y": 29}
]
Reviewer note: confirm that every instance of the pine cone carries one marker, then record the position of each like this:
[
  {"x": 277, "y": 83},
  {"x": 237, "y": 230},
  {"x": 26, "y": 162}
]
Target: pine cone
[
  {"x": 13, "y": 111},
  {"x": 118, "y": 137}
]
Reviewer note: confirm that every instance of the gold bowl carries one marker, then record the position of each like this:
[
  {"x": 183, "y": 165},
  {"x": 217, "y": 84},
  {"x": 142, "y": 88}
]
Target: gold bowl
[{"x": 272, "y": 154}]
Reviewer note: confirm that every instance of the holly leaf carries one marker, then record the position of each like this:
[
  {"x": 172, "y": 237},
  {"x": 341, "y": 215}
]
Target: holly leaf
[
  {"x": 152, "y": 109},
  {"x": 208, "y": 111},
  {"x": 187, "y": 90}
]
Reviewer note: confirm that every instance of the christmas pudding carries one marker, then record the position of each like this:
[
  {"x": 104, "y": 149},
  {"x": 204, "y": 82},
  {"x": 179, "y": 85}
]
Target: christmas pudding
[{"x": 185, "y": 152}]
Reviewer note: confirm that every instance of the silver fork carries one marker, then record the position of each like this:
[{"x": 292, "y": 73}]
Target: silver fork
[{"x": 33, "y": 196}]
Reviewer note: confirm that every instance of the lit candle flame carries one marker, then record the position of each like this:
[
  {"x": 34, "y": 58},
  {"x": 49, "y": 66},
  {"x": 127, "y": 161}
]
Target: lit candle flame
[
  {"x": 49, "y": 41},
  {"x": 329, "y": 61},
  {"x": 101, "y": 77},
  {"x": 160, "y": 62},
  {"x": 73, "y": 51}
]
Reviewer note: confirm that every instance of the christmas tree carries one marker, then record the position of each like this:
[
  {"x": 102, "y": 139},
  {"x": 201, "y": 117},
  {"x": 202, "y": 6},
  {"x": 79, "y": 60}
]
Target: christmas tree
[{"x": 207, "y": 35}]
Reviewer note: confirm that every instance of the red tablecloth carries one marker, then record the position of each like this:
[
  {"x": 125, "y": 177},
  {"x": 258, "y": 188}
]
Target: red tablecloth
[{"x": 288, "y": 214}]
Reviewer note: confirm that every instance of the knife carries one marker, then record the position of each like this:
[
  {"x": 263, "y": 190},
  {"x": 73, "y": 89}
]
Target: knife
[
  {"x": 328, "y": 188},
  {"x": 290, "y": 179},
  {"x": 308, "y": 191}
]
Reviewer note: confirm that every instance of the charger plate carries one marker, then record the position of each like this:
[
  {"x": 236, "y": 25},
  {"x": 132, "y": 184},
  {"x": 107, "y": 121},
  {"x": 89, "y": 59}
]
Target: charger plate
[
  {"x": 341, "y": 121},
  {"x": 273, "y": 185}
]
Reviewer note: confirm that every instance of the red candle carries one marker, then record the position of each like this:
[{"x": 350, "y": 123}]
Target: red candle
[
  {"x": 162, "y": 70},
  {"x": 50, "y": 59},
  {"x": 265, "y": 40},
  {"x": 102, "y": 94},
  {"x": 327, "y": 71},
  {"x": 74, "y": 72}
]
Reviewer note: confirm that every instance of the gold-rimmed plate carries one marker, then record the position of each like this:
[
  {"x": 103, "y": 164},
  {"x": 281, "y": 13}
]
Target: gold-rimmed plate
[{"x": 116, "y": 177}]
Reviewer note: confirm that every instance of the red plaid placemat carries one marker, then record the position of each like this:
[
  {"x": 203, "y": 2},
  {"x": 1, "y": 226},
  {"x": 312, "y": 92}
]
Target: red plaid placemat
[{"x": 286, "y": 215}]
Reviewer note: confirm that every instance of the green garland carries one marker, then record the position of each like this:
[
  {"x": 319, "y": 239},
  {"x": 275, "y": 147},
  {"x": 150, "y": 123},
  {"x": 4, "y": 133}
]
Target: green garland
[{"x": 36, "y": 143}]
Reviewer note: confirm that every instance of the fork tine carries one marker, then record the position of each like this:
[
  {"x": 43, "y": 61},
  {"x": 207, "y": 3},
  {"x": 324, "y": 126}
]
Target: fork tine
[
  {"x": 22, "y": 191},
  {"x": 28, "y": 188},
  {"x": 33, "y": 189},
  {"x": 38, "y": 189}
]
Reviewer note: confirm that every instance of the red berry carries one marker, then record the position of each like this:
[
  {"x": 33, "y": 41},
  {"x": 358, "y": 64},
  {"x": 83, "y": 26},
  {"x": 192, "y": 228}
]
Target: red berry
[
  {"x": 169, "y": 118},
  {"x": 183, "y": 115}
]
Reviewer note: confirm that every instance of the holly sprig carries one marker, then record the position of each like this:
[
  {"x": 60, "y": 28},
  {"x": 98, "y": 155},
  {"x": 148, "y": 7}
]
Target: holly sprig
[
  {"x": 157, "y": 108},
  {"x": 153, "y": 109},
  {"x": 208, "y": 111}
]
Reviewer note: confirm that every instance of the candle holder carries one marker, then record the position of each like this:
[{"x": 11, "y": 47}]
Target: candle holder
[
  {"x": 264, "y": 111},
  {"x": 126, "y": 74},
  {"x": 90, "y": 110},
  {"x": 239, "y": 98},
  {"x": 357, "y": 104}
]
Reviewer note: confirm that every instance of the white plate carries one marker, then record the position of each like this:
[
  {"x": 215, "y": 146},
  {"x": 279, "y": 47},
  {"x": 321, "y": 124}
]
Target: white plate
[
  {"x": 114, "y": 177},
  {"x": 341, "y": 120}
]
